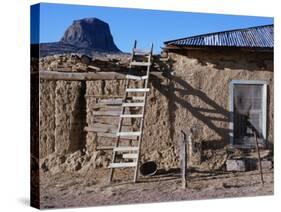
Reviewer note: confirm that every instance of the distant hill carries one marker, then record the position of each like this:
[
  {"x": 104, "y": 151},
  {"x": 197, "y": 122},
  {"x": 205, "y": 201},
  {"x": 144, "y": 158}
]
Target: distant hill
[{"x": 85, "y": 36}]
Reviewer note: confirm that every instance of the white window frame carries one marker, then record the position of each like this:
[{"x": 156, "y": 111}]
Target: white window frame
[{"x": 231, "y": 106}]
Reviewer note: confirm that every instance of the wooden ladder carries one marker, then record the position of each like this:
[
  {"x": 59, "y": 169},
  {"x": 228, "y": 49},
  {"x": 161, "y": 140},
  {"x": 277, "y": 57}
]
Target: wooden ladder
[{"x": 140, "y": 60}]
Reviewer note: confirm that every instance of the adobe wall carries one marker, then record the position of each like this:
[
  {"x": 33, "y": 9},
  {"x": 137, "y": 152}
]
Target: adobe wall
[
  {"x": 197, "y": 97},
  {"x": 47, "y": 117},
  {"x": 201, "y": 94}
]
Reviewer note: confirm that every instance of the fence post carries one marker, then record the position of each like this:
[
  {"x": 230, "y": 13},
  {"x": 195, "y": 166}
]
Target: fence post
[{"x": 183, "y": 157}]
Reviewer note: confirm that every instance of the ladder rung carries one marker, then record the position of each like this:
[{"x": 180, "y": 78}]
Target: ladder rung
[
  {"x": 138, "y": 133},
  {"x": 134, "y": 77},
  {"x": 122, "y": 165},
  {"x": 141, "y": 51},
  {"x": 137, "y": 89},
  {"x": 125, "y": 149},
  {"x": 131, "y": 115},
  {"x": 130, "y": 156},
  {"x": 137, "y": 97},
  {"x": 134, "y": 63},
  {"x": 133, "y": 104}
]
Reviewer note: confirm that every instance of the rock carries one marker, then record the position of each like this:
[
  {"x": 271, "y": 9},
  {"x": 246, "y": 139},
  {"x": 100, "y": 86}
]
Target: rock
[
  {"x": 235, "y": 165},
  {"x": 90, "y": 33},
  {"x": 77, "y": 166},
  {"x": 266, "y": 164},
  {"x": 85, "y": 59},
  {"x": 44, "y": 166}
]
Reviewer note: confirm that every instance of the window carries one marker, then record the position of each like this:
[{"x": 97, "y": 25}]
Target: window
[{"x": 247, "y": 112}]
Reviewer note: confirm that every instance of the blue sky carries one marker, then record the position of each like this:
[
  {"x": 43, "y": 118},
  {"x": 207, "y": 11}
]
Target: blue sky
[{"x": 145, "y": 26}]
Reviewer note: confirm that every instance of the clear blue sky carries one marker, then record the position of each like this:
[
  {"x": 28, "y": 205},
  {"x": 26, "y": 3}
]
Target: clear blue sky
[{"x": 145, "y": 26}]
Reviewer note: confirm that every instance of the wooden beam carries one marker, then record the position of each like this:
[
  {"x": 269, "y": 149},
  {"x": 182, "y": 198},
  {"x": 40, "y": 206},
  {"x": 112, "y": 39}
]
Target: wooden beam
[
  {"x": 107, "y": 113},
  {"x": 98, "y": 127},
  {"x": 82, "y": 76},
  {"x": 113, "y": 135},
  {"x": 94, "y": 68}
]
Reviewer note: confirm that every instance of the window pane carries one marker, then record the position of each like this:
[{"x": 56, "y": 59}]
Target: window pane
[{"x": 247, "y": 112}]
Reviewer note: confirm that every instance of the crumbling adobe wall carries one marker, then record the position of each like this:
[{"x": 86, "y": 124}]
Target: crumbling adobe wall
[
  {"x": 156, "y": 145},
  {"x": 197, "y": 96},
  {"x": 61, "y": 117},
  {"x": 69, "y": 116},
  {"x": 47, "y": 117}
]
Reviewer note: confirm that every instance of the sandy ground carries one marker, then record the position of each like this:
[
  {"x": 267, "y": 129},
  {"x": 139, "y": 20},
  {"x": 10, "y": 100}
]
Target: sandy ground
[{"x": 78, "y": 190}]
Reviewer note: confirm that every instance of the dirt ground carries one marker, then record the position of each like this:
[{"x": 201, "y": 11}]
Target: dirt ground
[{"x": 78, "y": 190}]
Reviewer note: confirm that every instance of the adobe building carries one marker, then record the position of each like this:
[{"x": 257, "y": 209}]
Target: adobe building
[{"x": 217, "y": 87}]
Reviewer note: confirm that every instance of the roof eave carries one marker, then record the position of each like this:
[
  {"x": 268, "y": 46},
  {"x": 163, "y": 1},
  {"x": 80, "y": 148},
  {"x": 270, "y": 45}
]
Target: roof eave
[{"x": 253, "y": 49}]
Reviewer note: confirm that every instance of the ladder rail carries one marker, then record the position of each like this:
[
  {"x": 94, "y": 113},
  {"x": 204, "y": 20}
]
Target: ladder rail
[
  {"x": 122, "y": 116},
  {"x": 142, "y": 119}
]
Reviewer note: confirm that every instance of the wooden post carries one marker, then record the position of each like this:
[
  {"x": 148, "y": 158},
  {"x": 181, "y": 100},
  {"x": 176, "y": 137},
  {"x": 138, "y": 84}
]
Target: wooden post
[
  {"x": 259, "y": 157},
  {"x": 183, "y": 157}
]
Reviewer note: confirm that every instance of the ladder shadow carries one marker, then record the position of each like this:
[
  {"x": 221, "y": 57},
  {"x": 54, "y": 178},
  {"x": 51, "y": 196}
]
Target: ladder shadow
[{"x": 177, "y": 90}]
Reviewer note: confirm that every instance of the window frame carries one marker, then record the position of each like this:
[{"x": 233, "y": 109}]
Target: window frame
[{"x": 231, "y": 109}]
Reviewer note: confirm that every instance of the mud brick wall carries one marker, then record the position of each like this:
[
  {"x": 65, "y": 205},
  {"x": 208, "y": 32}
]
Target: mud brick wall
[
  {"x": 47, "y": 117},
  {"x": 201, "y": 89},
  {"x": 157, "y": 143},
  {"x": 69, "y": 116},
  {"x": 197, "y": 97}
]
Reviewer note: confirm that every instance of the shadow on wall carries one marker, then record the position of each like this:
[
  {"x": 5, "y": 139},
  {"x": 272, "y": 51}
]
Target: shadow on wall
[
  {"x": 77, "y": 133},
  {"x": 177, "y": 91}
]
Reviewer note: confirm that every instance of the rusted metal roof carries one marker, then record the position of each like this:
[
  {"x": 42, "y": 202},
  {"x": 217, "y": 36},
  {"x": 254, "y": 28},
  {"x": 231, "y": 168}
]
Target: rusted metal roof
[{"x": 254, "y": 37}]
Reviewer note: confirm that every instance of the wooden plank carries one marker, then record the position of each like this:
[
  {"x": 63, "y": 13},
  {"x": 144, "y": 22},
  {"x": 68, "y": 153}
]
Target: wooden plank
[
  {"x": 56, "y": 75},
  {"x": 125, "y": 149},
  {"x": 112, "y": 101},
  {"x": 105, "y": 128},
  {"x": 138, "y": 133},
  {"x": 106, "y": 113},
  {"x": 105, "y": 107},
  {"x": 103, "y": 96},
  {"x": 104, "y": 147},
  {"x": 137, "y": 89},
  {"x": 94, "y": 68},
  {"x": 133, "y": 104},
  {"x": 122, "y": 165},
  {"x": 131, "y": 115},
  {"x": 81, "y": 76},
  {"x": 113, "y": 135},
  {"x": 134, "y": 77},
  {"x": 130, "y": 156}
]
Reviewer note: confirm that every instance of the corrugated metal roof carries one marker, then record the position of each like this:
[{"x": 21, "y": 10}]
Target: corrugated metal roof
[{"x": 254, "y": 37}]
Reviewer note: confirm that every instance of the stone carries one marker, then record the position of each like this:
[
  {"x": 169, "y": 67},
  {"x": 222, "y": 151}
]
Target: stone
[
  {"x": 235, "y": 165},
  {"x": 90, "y": 33},
  {"x": 266, "y": 164}
]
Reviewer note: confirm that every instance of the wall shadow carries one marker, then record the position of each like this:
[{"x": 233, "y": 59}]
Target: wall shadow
[{"x": 177, "y": 91}]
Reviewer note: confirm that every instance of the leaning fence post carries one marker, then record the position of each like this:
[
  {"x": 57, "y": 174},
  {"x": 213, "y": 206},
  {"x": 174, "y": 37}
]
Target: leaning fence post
[
  {"x": 183, "y": 157},
  {"x": 259, "y": 157}
]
